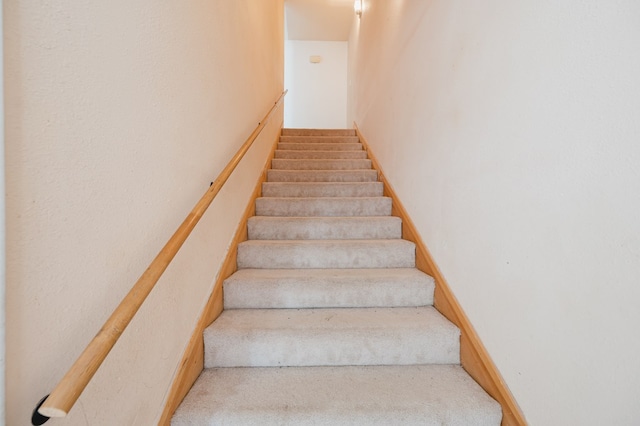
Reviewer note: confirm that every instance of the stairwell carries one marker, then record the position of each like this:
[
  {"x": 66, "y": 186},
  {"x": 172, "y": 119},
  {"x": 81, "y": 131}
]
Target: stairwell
[{"x": 327, "y": 321}]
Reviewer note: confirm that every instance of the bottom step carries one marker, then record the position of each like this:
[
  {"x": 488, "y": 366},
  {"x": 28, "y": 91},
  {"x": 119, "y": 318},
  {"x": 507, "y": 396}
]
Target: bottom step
[{"x": 376, "y": 395}]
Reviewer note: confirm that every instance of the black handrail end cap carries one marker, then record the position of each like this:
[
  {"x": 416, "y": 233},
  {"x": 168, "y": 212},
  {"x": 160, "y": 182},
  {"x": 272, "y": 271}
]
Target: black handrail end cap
[{"x": 38, "y": 419}]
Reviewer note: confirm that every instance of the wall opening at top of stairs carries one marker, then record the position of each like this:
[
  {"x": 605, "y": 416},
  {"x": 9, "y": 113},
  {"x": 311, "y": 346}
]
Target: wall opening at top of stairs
[
  {"x": 317, "y": 95},
  {"x": 317, "y": 91}
]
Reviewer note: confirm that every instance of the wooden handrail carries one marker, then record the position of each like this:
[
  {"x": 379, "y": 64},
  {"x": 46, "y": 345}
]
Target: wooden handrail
[{"x": 65, "y": 394}]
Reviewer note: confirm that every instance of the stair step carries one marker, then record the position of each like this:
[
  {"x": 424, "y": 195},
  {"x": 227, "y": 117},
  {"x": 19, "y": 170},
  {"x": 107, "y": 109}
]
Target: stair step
[
  {"x": 321, "y": 189},
  {"x": 327, "y": 288},
  {"x": 287, "y": 164},
  {"x": 314, "y": 254},
  {"x": 326, "y": 155},
  {"x": 317, "y": 337},
  {"x": 350, "y": 395},
  {"x": 318, "y": 132},
  {"x": 320, "y": 146},
  {"x": 322, "y": 175},
  {"x": 319, "y": 139},
  {"x": 324, "y": 228},
  {"x": 323, "y": 206},
  {"x": 327, "y": 321}
]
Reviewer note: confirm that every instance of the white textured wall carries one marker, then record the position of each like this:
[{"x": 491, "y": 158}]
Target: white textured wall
[
  {"x": 118, "y": 115},
  {"x": 510, "y": 131},
  {"x": 317, "y": 95},
  {"x": 2, "y": 240}
]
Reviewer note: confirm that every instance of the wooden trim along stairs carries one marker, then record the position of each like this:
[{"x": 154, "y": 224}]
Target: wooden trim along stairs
[
  {"x": 192, "y": 362},
  {"x": 474, "y": 357}
]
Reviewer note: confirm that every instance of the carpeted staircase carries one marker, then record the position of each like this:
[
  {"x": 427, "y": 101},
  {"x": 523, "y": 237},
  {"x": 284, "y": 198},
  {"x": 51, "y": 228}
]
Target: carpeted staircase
[{"x": 327, "y": 321}]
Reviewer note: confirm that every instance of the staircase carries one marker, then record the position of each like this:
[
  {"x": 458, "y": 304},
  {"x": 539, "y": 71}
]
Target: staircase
[{"x": 327, "y": 321}]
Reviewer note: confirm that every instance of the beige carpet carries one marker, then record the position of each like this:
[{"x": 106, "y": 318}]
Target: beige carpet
[{"x": 327, "y": 321}]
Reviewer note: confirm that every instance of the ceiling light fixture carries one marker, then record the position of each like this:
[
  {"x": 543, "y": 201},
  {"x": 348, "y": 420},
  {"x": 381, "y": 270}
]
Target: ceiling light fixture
[{"x": 357, "y": 7}]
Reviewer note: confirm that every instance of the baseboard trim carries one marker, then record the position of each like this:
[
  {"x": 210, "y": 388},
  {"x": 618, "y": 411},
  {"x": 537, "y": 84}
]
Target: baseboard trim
[
  {"x": 192, "y": 362},
  {"x": 474, "y": 357}
]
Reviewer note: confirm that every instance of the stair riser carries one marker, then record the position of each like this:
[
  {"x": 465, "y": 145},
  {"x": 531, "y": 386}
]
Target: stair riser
[
  {"x": 321, "y": 155},
  {"x": 314, "y": 292},
  {"x": 300, "y": 349},
  {"x": 333, "y": 254},
  {"x": 269, "y": 338},
  {"x": 320, "y": 146},
  {"x": 280, "y": 189},
  {"x": 322, "y": 176},
  {"x": 320, "y": 228},
  {"x": 307, "y": 207},
  {"x": 319, "y": 139},
  {"x": 318, "y": 132},
  {"x": 331, "y": 296},
  {"x": 286, "y": 164}
]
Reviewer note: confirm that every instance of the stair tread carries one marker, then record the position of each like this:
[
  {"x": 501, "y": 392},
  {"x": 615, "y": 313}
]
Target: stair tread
[
  {"x": 318, "y": 146},
  {"x": 326, "y": 288},
  {"x": 320, "y": 164},
  {"x": 322, "y": 175},
  {"x": 416, "y": 318},
  {"x": 311, "y": 154},
  {"x": 325, "y": 228},
  {"x": 319, "y": 139},
  {"x": 372, "y": 395},
  {"x": 329, "y": 243},
  {"x": 326, "y": 199},
  {"x": 322, "y": 189},
  {"x": 331, "y": 336},
  {"x": 313, "y": 254},
  {"x": 324, "y": 274},
  {"x": 323, "y": 206}
]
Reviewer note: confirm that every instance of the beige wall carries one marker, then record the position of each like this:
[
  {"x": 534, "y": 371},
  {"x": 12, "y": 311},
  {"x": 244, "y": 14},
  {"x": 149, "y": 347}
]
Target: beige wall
[
  {"x": 2, "y": 243},
  {"x": 118, "y": 115},
  {"x": 510, "y": 131}
]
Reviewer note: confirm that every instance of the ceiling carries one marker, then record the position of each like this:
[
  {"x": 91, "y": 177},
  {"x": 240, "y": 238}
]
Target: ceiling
[{"x": 324, "y": 20}]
